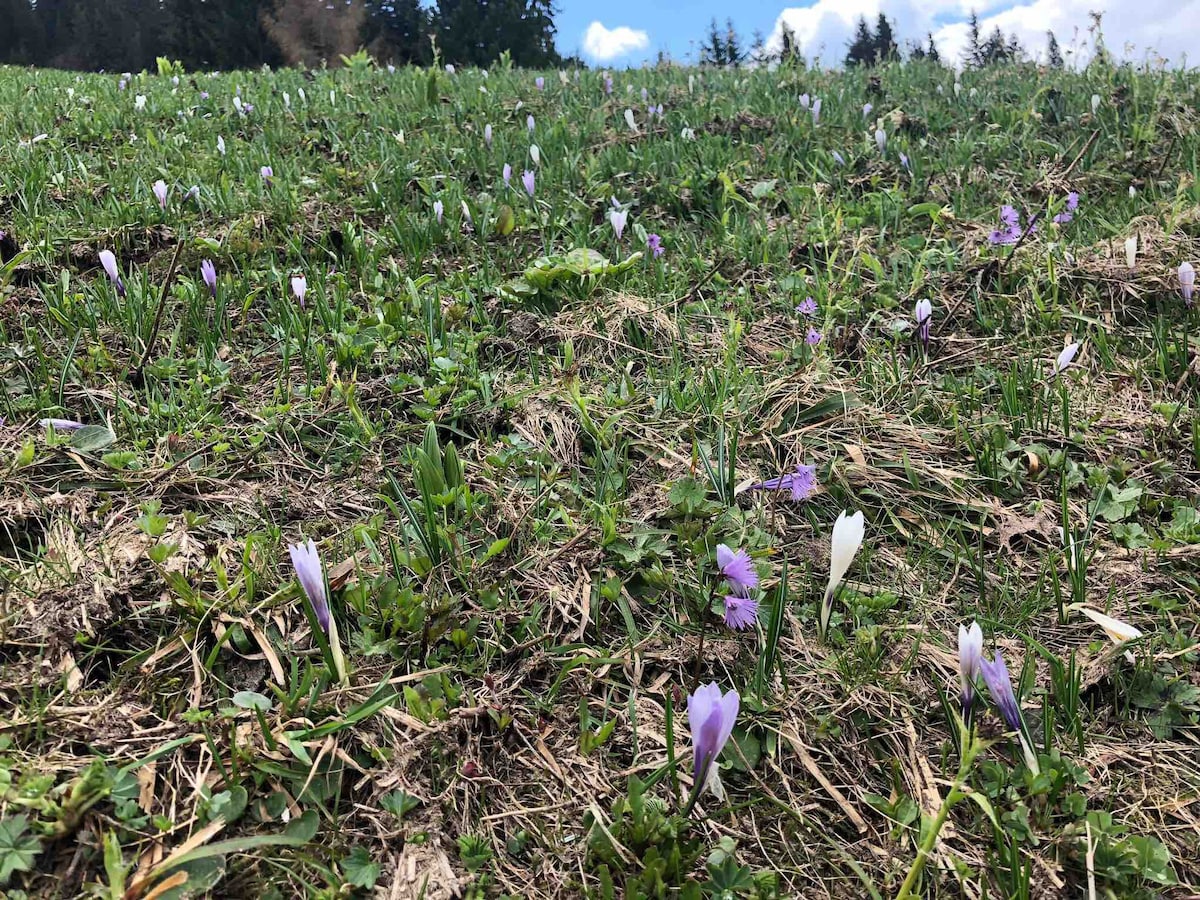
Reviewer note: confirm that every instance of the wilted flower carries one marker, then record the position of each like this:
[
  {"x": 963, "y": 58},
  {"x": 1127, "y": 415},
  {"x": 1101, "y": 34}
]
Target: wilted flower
[
  {"x": 267, "y": 174},
  {"x": 645, "y": 95},
  {"x": 529, "y": 123},
  {"x": 110, "y": 267},
  {"x": 1187, "y": 281},
  {"x": 924, "y": 316},
  {"x": 881, "y": 140},
  {"x": 654, "y": 245},
  {"x": 540, "y": 83},
  {"x": 209, "y": 273},
  {"x": 527, "y": 179},
  {"x": 438, "y": 209},
  {"x": 999, "y": 685},
  {"x": 307, "y": 563},
  {"x": 618, "y": 218},
  {"x": 801, "y": 483},
  {"x": 1068, "y": 212},
  {"x": 60, "y": 424},
  {"x": 812, "y": 337},
  {"x": 807, "y": 307},
  {"x": 710, "y": 718},
  {"x": 466, "y": 211},
  {"x": 160, "y": 192},
  {"x": 487, "y": 135},
  {"x": 740, "y": 612},
  {"x": 299, "y": 288},
  {"x": 970, "y": 654},
  {"x": 848, "y": 532},
  {"x": 1065, "y": 358},
  {"x": 737, "y": 568},
  {"x": 506, "y": 173}
]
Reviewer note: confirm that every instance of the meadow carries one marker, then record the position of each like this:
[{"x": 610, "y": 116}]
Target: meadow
[{"x": 580, "y": 384}]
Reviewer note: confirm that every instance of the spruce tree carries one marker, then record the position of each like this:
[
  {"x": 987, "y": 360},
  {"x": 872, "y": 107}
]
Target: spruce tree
[
  {"x": 885, "y": 49},
  {"x": 862, "y": 48},
  {"x": 1053, "y": 53},
  {"x": 973, "y": 52}
]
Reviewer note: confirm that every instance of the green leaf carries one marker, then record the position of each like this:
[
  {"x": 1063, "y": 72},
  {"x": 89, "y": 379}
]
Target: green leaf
[
  {"x": 497, "y": 547},
  {"x": 983, "y": 803},
  {"x": 252, "y": 700},
  {"x": 18, "y": 850},
  {"x": 763, "y": 189},
  {"x": 91, "y": 438},
  {"x": 359, "y": 869}
]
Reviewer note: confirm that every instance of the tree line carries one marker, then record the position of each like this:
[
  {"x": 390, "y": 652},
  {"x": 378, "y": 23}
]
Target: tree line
[
  {"x": 870, "y": 46},
  {"x": 128, "y": 35}
]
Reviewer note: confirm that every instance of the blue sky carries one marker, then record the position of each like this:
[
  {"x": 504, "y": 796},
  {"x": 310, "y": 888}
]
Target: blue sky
[{"x": 626, "y": 32}]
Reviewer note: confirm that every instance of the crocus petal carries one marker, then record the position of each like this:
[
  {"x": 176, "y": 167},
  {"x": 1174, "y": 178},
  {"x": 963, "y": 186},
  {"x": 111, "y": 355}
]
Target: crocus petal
[
  {"x": 60, "y": 424},
  {"x": 1118, "y": 632},
  {"x": 1066, "y": 357},
  {"x": 848, "y": 533},
  {"x": 307, "y": 563}
]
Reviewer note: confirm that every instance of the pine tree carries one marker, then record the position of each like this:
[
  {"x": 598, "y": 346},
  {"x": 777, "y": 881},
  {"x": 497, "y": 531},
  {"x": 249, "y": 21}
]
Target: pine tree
[
  {"x": 758, "y": 48},
  {"x": 788, "y": 50},
  {"x": 973, "y": 52},
  {"x": 932, "y": 52},
  {"x": 861, "y": 50},
  {"x": 713, "y": 53},
  {"x": 1053, "y": 53},
  {"x": 734, "y": 55},
  {"x": 885, "y": 42}
]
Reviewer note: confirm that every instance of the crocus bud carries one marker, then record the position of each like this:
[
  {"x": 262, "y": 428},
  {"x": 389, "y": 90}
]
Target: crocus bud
[
  {"x": 618, "y": 218},
  {"x": 160, "y": 192},
  {"x": 209, "y": 273},
  {"x": 438, "y": 210},
  {"x": 507, "y": 173},
  {"x": 487, "y": 135},
  {"x": 629, "y": 120},
  {"x": 299, "y": 288},
  {"x": 529, "y": 123},
  {"x": 527, "y": 179},
  {"x": 924, "y": 316},
  {"x": 1187, "y": 281},
  {"x": 110, "y": 267},
  {"x": 881, "y": 140},
  {"x": 848, "y": 532}
]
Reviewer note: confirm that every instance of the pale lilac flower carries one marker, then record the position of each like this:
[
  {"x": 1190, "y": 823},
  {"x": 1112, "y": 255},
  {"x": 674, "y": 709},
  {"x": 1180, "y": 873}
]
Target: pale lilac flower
[
  {"x": 838, "y": 158},
  {"x": 529, "y": 124},
  {"x": 1068, "y": 212},
  {"x": 299, "y": 288},
  {"x": 801, "y": 483},
  {"x": 645, "y": 95},
  {"x": 924, "y": 316},
  {"x": 110, "y": 267},
  {"x": 449, "y": 68},
  {"x": 812, "y": 337},
  {"x": 530, "y": 182},
  {"x": 1187, "y": 281},
  {"x": 1011, "y": 231},
  {"x": 740, "y": 612},
  {"x": 630, "y": 121},
  {"x": 438, "y": 209},
  {"x": 816, "y": 112},
  {"x": 307, "y": 563},
  {"x": 121, "y": 83},
  {"x": 267, "y": 174},
  {"x": 904, "y": 163},
  {"x": 804, "y": 101},
  {"x": 807, "y": 307},
  {"x": 391, "y": 69},
  {"x": 1065, "y": 358},
  {"x": 999, "y": 685},
  {"x": 970, "y": 655},
  {"x": 60, "y": 424},
  {"x": 221, "y": 145},
  {"x": 487, "y": 135},
  {"x": 608, "y": 84},
  {"x": 654, "y": 245},
  {"x": 540, "y": 83},
  {"x": 506, "y": 172},
  {"x": 204, "y": 95},
  {"x": 618, "y": 218},
  {"x": 881, "y": 140},
  {"x": 193, "y": 193},
  {"x": 209, "y": 273},
  {"x": 737, "y": 569},
  {"x": 160, "y": 192},
  {"x": 710, "y": 718},
  {"x": 867, "y": 107}
]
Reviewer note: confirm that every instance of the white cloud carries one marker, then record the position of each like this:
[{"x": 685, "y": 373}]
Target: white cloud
[
  {"x": 605, "y": 44},
  {"x": 1132, "y": 28}
]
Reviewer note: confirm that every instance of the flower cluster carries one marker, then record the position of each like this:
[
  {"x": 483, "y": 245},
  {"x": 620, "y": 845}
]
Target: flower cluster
[{"x": 1010, "y": 231}]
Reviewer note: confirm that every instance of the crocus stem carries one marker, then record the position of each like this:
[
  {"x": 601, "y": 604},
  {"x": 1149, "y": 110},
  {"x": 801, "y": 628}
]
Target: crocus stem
[
  {"x": 699, "y": 654},
  {"x": 931, "y": 836},
  {"x": 695, "y": 795}
]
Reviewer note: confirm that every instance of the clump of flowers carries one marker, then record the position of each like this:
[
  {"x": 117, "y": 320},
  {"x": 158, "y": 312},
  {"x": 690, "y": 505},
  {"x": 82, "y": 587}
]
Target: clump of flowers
[
  {"x": 1010, "y": 231},
  {"x": 655, "y": 245}
]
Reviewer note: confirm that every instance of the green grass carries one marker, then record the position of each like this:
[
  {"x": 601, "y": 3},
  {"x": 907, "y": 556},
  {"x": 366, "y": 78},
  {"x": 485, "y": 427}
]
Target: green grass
[{"x": 517, "y": 469}]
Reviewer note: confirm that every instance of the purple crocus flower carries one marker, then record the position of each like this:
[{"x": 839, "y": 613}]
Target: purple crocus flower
[
  {"x": 1068, "y": 212},
  {"x": 970, "y": 655},
  {"x": 838, "y": 158},
  {"x": 881, "y": 140},
  {"x": 507, "y": 173},
  {"x": 1187, "y": 281},
  {"x": 539, "y": 83},
  {"x": 110, "y": 267},
  {"x": 804, "y": 100},
  {"x": 209, "y": 273},
  {"x": 924, "y": 316},
  {"x": 737, "y": 569},
  {"x": 608, "y": 84},
  {"x": 530, "y": 182},
  {"x": 710, "y": 718},
  {"x": 654, "y": 245},
  {"x": 160, "y": 192},
  {"x": 816, "y": 112},
  {"x": 867, "y": 109},
  {"x": 618, "y": 218},
  {"x": 529, "y": 123},
  {"x": 438, "y": 209},
  {"x": 813, "y": 337},
  {"x": 740, "y": 612},
  {"x": 299, "y": 288},
  {"x": 904, "y": 163},
  {"x": 807, "y": 307},
  {"x": 204, "y": 95},
  {"x": 999, "y": 685},
  {"x": 267, "y": 174},
  {"x": 60, "y": 424},
  {"x": 307, "y": 563},
  {"x": 801, "y": 483}
]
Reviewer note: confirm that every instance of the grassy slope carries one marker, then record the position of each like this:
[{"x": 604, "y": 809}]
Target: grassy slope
[{"x": 600, "y": 427}]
